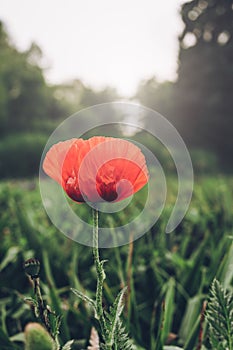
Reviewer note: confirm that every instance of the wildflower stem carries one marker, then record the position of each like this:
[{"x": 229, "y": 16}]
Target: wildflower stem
[
  {"x": 42, "y": 308},
  {"x": 44, "y": 312},
  {"x": 100, "y": 272}
]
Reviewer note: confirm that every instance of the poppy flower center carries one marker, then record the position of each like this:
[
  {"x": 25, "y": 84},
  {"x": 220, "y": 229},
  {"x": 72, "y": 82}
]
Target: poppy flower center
[{"x": 107, "y": 191}]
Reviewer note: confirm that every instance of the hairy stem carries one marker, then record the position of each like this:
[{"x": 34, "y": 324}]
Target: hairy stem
[
  {"x": 42, "y": 308},
  {"x": 43, "y": 311},
  {"x": 100, "y": 273}
]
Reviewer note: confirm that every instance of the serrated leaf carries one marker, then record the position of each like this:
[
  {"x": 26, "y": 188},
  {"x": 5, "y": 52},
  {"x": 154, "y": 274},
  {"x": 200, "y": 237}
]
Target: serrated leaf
[
  {"x": 122, "y": 339},
  {"x": 55, "y": 324},
  {"x": 114, "y": 316},
  {"x": 219, "y": 315}
]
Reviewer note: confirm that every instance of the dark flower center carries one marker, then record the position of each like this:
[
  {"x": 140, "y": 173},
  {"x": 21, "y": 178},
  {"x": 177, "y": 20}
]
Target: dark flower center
[{"x": 108, "y": 191}]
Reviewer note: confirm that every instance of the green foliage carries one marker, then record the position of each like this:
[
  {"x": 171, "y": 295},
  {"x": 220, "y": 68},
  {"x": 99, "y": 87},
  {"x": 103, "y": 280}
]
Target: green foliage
[
  {"x": 20, "y": 154},
  {"x": 122, "y": 339},
  {"x": 204, "y": 162},
  {"x": 220, "y": 317},
  {"x": 113, "y": 332},
  {"x": 158, "y": 96},
  {"x": 177, "y": 268},
  {"x": 116, "y": 336},
  {"x": 26, "y": 100}
]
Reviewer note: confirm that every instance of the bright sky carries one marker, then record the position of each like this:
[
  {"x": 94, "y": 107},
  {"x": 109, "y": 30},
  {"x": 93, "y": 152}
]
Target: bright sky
[{"x": 116, "y": 43}]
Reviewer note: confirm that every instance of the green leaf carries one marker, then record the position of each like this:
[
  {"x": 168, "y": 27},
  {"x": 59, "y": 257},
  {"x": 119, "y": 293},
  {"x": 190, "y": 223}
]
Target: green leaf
[
  {"x": 158, "y": 342},
  {"x": 115, "y": 336},
  {"x": 114, "y": 316},
  {"x": 20, "y": 337},
  {"x": 10, "y": 257},
  {"x": 55, "y": 301},
  {"x": 225, "y": 271},
  {"x": 219, "y": 316},
  {"x": 122, "y": 341},
  {"x": 84, "y": 298},
  {"x": 34, "y": 304},
  {"x": 192, "y": 338},
  {"x": 169, "y": 309},
  {"x": 192, "y": 314},
  {"x": 55, "y": 324}
]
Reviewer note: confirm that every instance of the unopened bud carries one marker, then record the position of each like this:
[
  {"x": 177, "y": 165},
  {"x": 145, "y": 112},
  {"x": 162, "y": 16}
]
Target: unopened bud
[{"x": 32, "y": 267}]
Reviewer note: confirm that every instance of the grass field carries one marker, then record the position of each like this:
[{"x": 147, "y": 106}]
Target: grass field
[{"x": 168, "y": 275}]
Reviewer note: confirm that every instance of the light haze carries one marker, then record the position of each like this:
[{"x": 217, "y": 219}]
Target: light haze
[{"x": 115, "y": 43}]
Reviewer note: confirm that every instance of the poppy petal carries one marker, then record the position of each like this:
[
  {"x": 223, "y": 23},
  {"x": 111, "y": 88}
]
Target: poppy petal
[
  {"x": 98, "y": 169},
  {"x": 109, "y": 162},
  {"x": 54, "y": 159}
]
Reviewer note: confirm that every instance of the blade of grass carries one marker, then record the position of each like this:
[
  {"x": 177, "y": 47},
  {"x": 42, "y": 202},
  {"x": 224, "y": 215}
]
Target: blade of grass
[
  {"x": 169, "y": 303},
  {"x": 54, "y": 298}
]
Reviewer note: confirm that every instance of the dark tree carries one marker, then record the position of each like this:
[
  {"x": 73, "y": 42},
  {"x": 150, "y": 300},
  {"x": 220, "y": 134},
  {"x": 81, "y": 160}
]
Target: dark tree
[{"x": 204, "y": 91}]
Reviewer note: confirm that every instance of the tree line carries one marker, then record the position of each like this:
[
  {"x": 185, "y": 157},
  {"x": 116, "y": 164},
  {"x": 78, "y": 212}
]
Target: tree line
[{"x": 200, "y": 102}]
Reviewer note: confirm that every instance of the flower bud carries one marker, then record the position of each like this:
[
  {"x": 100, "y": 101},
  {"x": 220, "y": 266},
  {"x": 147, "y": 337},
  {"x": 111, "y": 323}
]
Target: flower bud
[{"x": 32, "y": 267}]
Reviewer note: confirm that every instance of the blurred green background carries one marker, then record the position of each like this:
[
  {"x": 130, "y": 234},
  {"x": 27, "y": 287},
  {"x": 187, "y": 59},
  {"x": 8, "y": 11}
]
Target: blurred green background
[{"x": 177, "y": 268}]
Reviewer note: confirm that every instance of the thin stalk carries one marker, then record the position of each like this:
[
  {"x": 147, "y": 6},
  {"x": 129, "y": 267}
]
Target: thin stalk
[
  {"x": 100, "y": 273},
  {"x": 43, "y": 311}
]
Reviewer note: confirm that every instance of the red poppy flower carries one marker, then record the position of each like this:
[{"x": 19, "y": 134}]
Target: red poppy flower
[{"x": 98, "y": 169}]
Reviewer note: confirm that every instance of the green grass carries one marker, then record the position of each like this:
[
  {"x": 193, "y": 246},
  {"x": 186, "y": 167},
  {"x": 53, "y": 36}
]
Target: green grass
[{"x": 168, "y": 276}]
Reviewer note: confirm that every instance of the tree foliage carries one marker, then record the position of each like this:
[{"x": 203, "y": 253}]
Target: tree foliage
[
  {"x": 158, "y": 96},
  {"x": 29, "y": 105},
  {"x": 205, "y": 80},
  {"x": 26, "y": 100},
  {"x": 200, "y": 102}
]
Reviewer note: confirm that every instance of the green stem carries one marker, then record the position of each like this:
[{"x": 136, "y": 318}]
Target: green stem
[
  {"x": 100, "y": 273},
  {"x": 43, "y": 311},
  {"x": 42, "y": 308}
]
